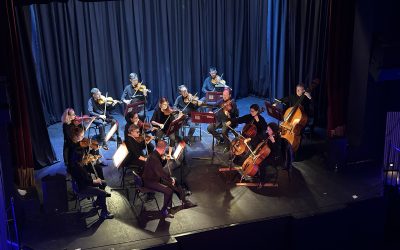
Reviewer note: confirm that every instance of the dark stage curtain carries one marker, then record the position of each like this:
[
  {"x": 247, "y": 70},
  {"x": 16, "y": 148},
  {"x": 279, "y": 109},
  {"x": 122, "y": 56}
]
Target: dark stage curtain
[
  {"x": 306, "y": 54},
  {"x": 79, "y": 45}
]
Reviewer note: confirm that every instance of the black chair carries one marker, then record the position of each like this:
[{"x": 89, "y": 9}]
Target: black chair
[
  {"x": 285, "y": 161},
  {"x": 141, "y": 194},
  {"x": 81, "y": 197}
]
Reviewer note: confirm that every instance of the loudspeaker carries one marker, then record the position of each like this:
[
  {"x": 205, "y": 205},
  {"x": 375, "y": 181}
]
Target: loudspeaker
[{"x": 55, "y": 197}]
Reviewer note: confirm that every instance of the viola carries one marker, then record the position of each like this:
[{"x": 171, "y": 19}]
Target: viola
[
  {"x": 89, "y": 143},
  {"x": 147, "y": 139},
  {"x": 227, "y": 106},
  {"x": 194, "y": 99},
  {"x": 107, "y": 100},
  {"x": 141, "y": 87},
  {"x": 169, "y": 111},
  {"x": 144, "y": 125}
]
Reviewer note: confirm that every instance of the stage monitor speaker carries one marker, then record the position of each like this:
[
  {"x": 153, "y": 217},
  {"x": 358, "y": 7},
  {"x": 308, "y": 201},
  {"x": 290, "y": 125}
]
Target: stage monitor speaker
[{"x": 55, "y": 198}]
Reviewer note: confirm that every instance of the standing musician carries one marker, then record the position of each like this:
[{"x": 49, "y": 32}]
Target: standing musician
[
  {"x": 227, "y": 110},
  {"x": 79, "y": 173},
  {"x": 187, "y": 103},
  {"x": 136, "y": 144},
  {"x": 162, "y": 118},
  {"x": 274, "y": 143},
  {"x": 135, "y": 92},
  {"x": 254, "y": 118},
  {"x": 67, "y": 124},
  {"x": 291, "y": 100},
  {"x": 99, "y": 107},
  {"x": 153, "y": 173}
]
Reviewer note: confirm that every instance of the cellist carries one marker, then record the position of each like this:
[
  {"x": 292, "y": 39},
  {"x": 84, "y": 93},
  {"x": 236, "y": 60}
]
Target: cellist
[
  {"x": 274, "y": 142},
  {"x": 254, "y": 118}
]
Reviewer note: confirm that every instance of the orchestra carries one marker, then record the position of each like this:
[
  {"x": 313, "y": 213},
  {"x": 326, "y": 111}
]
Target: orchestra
[{"x": 255, "y": 148}]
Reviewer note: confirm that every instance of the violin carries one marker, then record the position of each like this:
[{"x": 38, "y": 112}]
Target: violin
[
  {"x": 144, "y": 125},
  {"x": 169, "y": 111},
  {"x": 194, "y": 99},
  {"x": 108, "y": 100},
  {"x": 141, "y": 87},
  {"x": 90, "y": 159},
  {"x": 89, "y": 143},
  {"x": 227, "y": 106},
  {"x": 147, "y": 139}
]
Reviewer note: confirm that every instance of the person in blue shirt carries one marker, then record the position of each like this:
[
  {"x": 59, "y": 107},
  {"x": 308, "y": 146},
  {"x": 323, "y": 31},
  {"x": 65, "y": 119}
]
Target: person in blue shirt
[{"x": 210, "y": 82}]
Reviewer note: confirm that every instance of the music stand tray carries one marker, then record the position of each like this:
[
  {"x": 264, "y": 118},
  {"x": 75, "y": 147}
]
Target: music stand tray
[
  {"x": 203, "y": 117},
  {"x": 135, "y": 107},
  {"x": 274, "y": 111},
  {"x": 175, "y": 125}
]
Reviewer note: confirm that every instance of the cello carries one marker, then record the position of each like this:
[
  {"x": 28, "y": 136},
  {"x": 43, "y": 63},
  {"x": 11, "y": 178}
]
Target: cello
[
  {"x": 256, "y": 157},
  {"x": 295, "y": 119}
]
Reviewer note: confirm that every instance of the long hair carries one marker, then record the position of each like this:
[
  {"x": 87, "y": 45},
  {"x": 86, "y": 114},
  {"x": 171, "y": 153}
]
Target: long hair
[{"x": 66, "y": 116}]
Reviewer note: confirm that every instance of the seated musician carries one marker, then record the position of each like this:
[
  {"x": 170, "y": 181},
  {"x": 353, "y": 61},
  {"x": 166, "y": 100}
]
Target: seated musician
[
  {"x": 291, "y": 100},
  {"x": 153, "y": 172},
  {"x": 187, "y": 103},
  {"x": 86, "y": 184},
  {"x": 162, "y": 117},
  {"x": 210, "y": 81},
  {"x": 253, "y": 118},
  {"x": 133, "y": 118},
  {"x": 136, "y": 146},
  {"x": 100, "y": 108},
  {"x": 227, "y": 110},
  {"x": 135, "y": 92},
  {"x": 274, "y": 143}
]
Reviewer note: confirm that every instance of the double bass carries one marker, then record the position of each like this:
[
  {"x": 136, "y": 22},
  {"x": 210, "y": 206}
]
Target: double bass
[{"x": 295, "y": 119}]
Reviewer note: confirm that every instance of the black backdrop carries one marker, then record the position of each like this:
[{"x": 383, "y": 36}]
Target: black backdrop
[{"x": 263, "y": 47}]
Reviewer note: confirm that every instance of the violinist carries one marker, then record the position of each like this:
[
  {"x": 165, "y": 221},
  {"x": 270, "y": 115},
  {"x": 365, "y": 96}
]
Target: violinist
[
  {"x": 67, "y": 119},
  {"x": 211, "y": 80},
  {"x": 274, "y": 142},
  {"x": 136, "y": 144},
  {"x": 101, "y": 110},
  {"x": 227, "y": 110},
  {"x": 86, "y": 184},
  {"x": 187, "y": 103},
  {"x": 162, "y": 117},
  {"x": 291, "y": 100},
  {"x": 254, "y": 118}
]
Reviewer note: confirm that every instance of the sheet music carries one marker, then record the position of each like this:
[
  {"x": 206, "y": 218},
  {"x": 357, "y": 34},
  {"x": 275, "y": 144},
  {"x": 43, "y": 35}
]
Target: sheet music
[{"x": 120, "y": 155}]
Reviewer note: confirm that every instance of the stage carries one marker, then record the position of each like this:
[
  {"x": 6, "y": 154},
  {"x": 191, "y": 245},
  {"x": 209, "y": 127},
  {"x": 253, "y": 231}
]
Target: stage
[{"x": 314, "y": 189}]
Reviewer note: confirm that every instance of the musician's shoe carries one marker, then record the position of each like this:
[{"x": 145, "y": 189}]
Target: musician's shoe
[
  {"x": 188, "y": 204},
  {"x": 96, "y": 204},
  {"x": 105, "y": 147},
  {"x": 112, "y": 138},
  {"x": 166, "y": 214},
  {"x": 107, "y": 215},
  {"x": 102, "y": 164},
  {"x": 188, "y": 193},
  {"x": 108, "y": 194}
]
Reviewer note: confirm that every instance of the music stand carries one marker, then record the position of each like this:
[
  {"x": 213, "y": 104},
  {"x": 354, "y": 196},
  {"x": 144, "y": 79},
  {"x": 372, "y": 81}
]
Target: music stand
[
  {"x": 213, "y": 96},
  {"x": 175, "y": 125},
  {"x": 135, "y": 107},
  {"x": 118, "y": 158},
  {"x": 204, "y": 117},
  {"x": 111, "y": 132},
  {"x": 274, "y": 111}
]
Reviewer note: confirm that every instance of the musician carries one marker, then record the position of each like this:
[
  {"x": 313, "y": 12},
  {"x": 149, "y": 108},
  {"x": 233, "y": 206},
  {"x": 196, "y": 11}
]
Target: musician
[
  {"x": 136, "y": 144},
  {"x": 210, "y": 82},
  {"x": 228, "y": 110},
  {"x": 187, "y": 103},
  {"x": 153, "y": 172},
  {"x": 132, "y": 92},
  {"x": 97, "y": 107},
  {"x": 131, "y": 118},
  {"x": 86, "y": 184},
  {"x": 253, "y": 118},
  {"x": 162, "y": 117},
  {"x": 274, "y": 142},
  {"x": 291, "y": 100},
  {"x": 67, "y": 123}
]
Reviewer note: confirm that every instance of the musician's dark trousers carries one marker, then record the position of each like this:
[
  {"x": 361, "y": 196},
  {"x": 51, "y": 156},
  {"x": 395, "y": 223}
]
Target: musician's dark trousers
[
  {"x": 212, "y": 129},
  {"x": 101, "y": 197},
  {"x": 156, "y": 186},
  {"x": 99, "y": 170},
  {"x": 172, "y": 137},
  {"x": 101, "y": 125},
  {"x": 263, "y": 167},
  {"x": 192, "y": 128}
]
